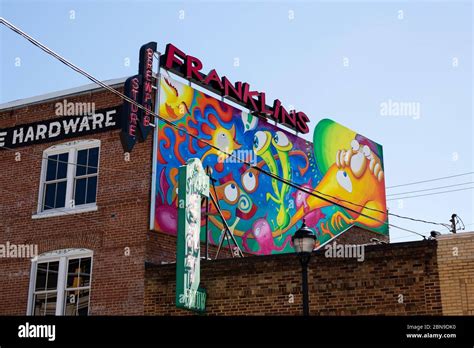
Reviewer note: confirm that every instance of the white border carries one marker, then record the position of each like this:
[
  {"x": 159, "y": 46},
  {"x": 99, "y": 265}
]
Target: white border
[{"x": 155, "y": 153}]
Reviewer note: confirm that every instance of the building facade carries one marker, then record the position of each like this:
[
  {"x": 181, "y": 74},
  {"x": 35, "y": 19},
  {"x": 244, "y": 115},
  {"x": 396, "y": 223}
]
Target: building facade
[{"x": 69, "y": 190}]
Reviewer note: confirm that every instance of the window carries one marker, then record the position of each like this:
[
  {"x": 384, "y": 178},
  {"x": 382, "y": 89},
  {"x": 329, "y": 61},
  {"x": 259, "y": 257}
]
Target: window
[
  {"x": 60, "y": 283},
  {"x": 85, "y": 181},
  {"x": 69, "y": 178}
]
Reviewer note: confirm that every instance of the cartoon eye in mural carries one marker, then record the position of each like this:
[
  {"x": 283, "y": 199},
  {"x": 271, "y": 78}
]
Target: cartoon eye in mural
[
  {"x": 344, "y": 180},
  {"x": 281, "y": 141},
  {"x": 250, "y": 181},
  {"x": 223, "y": 140},
  {"x": 257, "y": 232},
  {"x": 231, "y": 193},
  {"x": 261, "y": 142}
]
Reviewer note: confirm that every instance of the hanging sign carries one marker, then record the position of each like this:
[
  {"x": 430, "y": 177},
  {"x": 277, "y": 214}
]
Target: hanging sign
[
  {"x": 136, "y": 121},
  {"x": 193, "y": 183},
  {"x": 128, "y": 135},
  {"x": 145, "y": 69}
]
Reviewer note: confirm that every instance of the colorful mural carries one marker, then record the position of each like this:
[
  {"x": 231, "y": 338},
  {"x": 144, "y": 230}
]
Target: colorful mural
[{"x": 344, "y": 167}]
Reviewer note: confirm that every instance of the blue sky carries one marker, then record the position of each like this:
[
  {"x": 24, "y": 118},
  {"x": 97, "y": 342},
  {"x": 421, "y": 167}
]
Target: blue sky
[{"x": 338, "y": 60}]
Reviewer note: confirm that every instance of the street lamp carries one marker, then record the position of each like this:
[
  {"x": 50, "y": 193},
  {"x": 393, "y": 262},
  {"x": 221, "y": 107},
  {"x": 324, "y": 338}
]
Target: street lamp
[{"x": 303, "y": 242}]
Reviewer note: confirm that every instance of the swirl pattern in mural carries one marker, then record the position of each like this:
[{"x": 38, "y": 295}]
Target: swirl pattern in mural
[{"x": 263, "y": 213}]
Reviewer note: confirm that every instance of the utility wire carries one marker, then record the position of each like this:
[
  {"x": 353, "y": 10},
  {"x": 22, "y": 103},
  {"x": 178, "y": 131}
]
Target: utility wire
[
  {"x": 448, "y": 226},
  {"x": 430, "y": 189},
  {"x": 400, "y": 237},
  {"x": 430, "y": 194},
  {"x": 102, "y": 168},
  {"x": 184, "y": 130},
  {"x": 430, "y": 180}
]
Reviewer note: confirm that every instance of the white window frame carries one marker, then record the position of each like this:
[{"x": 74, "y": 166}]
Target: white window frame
[
  {"x": 63, "y": 256},
  {"x": 72, "y": 148}
]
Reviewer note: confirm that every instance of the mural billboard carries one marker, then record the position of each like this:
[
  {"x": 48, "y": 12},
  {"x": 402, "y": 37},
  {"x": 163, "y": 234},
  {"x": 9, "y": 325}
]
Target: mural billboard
[{"x": 340, "y": 165}]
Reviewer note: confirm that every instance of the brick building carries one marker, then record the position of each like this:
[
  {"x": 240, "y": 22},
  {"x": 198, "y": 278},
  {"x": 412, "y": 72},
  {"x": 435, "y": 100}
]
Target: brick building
[
  {"x": 97, "y": 255},
  {"x": 430, "y": 277}
]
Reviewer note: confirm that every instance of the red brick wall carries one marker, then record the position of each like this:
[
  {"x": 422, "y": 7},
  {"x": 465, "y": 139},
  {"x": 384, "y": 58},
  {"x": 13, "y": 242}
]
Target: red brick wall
[
  {"x": 357, "y": 235},
  {"x": 456, "y": 272},
  {"x": 266, "y": 285},
  {"x": 123, "y": 191}
]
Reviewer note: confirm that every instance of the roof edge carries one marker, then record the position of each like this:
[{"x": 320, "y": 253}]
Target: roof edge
[{"x": 44, "y": 98}]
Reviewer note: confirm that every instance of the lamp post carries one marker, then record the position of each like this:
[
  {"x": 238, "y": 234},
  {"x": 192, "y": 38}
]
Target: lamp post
[{"x": 303, "y": 242}]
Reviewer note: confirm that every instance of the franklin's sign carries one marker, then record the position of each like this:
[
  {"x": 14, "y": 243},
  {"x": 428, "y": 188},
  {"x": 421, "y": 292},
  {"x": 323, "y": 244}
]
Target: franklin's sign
[{"x": 190, "y": 67}]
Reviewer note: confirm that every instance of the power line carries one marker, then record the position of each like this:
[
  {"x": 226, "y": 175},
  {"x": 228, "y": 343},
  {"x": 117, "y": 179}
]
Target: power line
[
  {"x": 184, "y": 130},
  {"x": 400, "y": 237},
  {"x": 380, "y": 211},
  {"x": 430, "y": 189},
  {"x": 276, "y": 177},
  {"x": 102, "y": 168},
  {"x": 431, "y": 194},
  {"x": 421, "y": 220},
  {"x": 430, "y": 180},
  {"x": 77, "y": 69}
]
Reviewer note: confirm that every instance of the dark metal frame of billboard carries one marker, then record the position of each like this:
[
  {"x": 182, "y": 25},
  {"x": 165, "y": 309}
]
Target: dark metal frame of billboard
[{"x": 226, "y": 234}]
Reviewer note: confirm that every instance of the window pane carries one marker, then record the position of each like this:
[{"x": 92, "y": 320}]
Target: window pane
[
  {"x": 49, "y": 196},
  {"x": 81, "y": 162},
  {"x": 51, "y": 303},
  {"x": 60, "y": 194},
  {"x": 80, "y": 191},
  {"x": 52, "y": 275},
  {"x": 40, "y": 304},
  {"x": 85, "y": 274},
  {"x": 83, "y": 302},
  {"x": 51, "y": 168},
  {"x": 91, "y": 189},
  {"x": 70, "y": 299},
  {"x": 73, "y": 273},
  {"x": 76, "y": 302},
  {"x": 93, "y": 160},
  {"x": 45, "y": 304},
  {"x": 62, "y": 165},
  {"x": 41, "y": 276}
]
